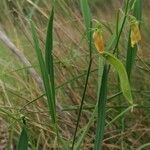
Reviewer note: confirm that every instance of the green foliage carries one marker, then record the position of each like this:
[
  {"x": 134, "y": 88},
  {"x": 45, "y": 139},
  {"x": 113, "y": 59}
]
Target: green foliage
[
  {"x": 49, "y": 53},
  {"x": 132, "y": 51},
  {"x": 23, "y": 140},
  {"x": 45, "y": 76},
  {"x": 86, "y": 16},
  {"x": 87, "y": 21},
  {"x": 74, "y": 79},
  {"x": 101, "y": 108}
]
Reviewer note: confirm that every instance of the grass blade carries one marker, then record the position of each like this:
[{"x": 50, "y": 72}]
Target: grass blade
[
  {"x": 23, "y": 140},
  {"x": 86, "y": 16},
  {"x": 138, "y": 10},
  {"x": 120, "y": 115},
  {"x": 32, "y": 11},
  {"x": 49, "y": 52},
  {"x": 88, "y": 24},
  {"x": 87, "y": 20},
  {"x": 81, "y": 106},
  {"x": 116, "y": 35},
  {"x": 45, "y": 76},
  {"x": 143, "y": 146},
  {"x": 131, "y": 51},
  {"x": 85, "y": 130},
  {"x": 131, "y": 54},
  {"x": 101, "y": 111}
]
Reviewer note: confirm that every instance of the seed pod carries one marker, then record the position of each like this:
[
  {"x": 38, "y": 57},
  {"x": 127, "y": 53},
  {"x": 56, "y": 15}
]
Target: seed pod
[
  {"x": 98, "y": 41},
  {"x": 135, "y": 34}
]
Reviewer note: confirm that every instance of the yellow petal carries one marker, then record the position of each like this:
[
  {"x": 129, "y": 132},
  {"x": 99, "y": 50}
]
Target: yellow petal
[
  {"x": 98, "y": 41},
  {"x": 135, "y": 34}
]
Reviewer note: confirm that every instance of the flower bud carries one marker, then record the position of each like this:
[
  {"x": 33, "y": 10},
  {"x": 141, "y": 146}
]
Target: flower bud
[
  {"x": 135, "y": 33},
  {"x": 98, "y": 41}
]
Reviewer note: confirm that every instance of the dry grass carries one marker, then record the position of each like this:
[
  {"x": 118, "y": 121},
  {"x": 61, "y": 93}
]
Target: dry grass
[{"x": 71, "y": 61}]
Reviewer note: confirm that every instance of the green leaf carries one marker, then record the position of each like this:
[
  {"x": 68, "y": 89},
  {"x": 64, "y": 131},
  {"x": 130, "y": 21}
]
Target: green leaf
[
  {"x": 138, "y": 10},
  {"x": 88, "y": 24},
  {"x": 45, "y": 76},
  {"x": 124, "y": 82},
  {"x": 101, "y": 108},
  {"x": 85, "y": 130},
  {"x": 131, "y": 54},
  {"x": 23, "y": 140},
  {"x": 87, "y": 19},
  {"x": 131, "y": 51},
  {"x": 82, "y": 102},
  {"x": 114, "y": 40},
  {"x": 120, "y": 115},
  {"x": 49, "y": 52}
]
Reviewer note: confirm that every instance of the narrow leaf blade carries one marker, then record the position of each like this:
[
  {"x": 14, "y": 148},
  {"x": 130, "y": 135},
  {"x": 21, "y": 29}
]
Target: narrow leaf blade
[
  {"x": 45, "y": 76},
  {"x": 23, "y": 140},
  {"x": 49, "y": 52},
  {"x": 101, "y": 111},
  {"x": 87, "y": 18},
  {"x": 131, "y": 51}
]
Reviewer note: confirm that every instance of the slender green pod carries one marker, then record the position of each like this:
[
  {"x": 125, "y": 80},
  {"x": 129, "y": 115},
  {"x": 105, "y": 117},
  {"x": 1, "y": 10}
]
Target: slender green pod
[{"x": 123, "y": 77}]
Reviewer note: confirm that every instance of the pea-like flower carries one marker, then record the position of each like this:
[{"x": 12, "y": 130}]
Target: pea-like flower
[
  {"x": 135, "y": 34},
  {"x": 98, "y": 41}
]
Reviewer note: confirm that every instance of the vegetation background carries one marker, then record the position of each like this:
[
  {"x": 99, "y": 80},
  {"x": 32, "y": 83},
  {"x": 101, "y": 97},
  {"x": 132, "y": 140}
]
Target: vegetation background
[{"x": 21, "y": 96}]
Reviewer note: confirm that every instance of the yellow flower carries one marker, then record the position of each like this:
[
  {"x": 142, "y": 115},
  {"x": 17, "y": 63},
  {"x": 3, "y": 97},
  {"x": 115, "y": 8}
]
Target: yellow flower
[
  {"x": 98, "y": 41},
  {"x": 135, "y": 34}
]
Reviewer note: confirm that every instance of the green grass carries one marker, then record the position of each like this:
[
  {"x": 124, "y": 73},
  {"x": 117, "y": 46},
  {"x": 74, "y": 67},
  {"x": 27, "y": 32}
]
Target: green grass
[
  {"x": 88, "y": 23},
  {"x": 60, "y": 47},
  {"x": 101, "y": 109},
  {"x": 131, "y": 52}
]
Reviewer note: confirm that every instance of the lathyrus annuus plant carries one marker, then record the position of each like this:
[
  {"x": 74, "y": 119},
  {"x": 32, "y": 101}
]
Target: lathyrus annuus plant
[
  {"x": 115, "y": 62},
  {"x": 135, "y": 31}
]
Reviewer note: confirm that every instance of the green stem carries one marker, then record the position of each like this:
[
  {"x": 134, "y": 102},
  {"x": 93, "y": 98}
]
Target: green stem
[{"x": 81, "y": 106}]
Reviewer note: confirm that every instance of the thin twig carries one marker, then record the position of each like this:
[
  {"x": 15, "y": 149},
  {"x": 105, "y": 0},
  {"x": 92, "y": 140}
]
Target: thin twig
[{"x": 21, "y": 57}]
